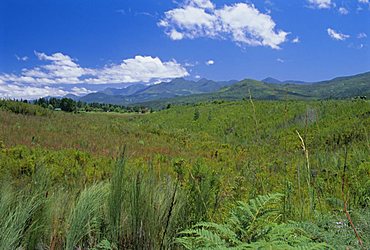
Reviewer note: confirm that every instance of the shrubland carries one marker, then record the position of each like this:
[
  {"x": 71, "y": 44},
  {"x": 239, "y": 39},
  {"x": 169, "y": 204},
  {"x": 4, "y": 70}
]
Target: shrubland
[{"x": 246, "y": 174}]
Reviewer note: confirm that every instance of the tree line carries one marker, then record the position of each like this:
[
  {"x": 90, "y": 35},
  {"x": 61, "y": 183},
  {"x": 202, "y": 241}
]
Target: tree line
[{"x": 70, "y": 105}]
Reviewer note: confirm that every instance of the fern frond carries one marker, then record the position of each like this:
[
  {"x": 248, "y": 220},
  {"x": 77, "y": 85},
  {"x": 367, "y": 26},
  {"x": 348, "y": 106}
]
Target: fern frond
[
  {"x": 251, "y": 225},
  {"x": 251, "y": 217}
]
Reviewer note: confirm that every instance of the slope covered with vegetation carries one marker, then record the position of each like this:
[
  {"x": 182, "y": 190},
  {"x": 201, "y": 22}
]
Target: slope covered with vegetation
[
  {"x": 182, "y": 91},
  {"x": 267, "y": 174},
  {"x": 337, "y": 88}
]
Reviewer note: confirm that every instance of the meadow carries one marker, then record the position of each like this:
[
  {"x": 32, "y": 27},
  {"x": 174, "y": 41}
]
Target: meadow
[{"x": 217, "y": 175}]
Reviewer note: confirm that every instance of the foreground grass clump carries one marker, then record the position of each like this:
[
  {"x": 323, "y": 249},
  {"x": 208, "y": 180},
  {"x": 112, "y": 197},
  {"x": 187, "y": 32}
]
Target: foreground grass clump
[
  {"x": 141, "y": 212},
  {"x": 191, "y": 177}
]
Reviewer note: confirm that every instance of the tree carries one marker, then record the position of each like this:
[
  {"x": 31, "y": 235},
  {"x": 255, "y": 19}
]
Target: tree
[
  {"x": 196, "y": 114},
  {"x": 67, "y": 105}
]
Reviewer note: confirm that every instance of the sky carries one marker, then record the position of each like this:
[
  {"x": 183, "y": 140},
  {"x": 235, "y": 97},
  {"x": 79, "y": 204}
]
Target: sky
[{"x": 59, "y": 47}]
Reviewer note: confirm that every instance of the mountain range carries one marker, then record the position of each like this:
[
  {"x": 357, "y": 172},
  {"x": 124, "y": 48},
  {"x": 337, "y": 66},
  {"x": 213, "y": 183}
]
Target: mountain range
[
  {"x": 179, "y": 91},
  {"x": 139, "y": 93}
]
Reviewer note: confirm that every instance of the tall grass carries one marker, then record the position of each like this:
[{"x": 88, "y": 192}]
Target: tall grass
[
  {"x": 116, "y": 199},
  {"x": 86, "y": 217},
  {"x": 16, "y": 216}
]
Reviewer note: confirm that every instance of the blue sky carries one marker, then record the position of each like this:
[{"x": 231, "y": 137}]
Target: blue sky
[{"x": 78, "y": 46}]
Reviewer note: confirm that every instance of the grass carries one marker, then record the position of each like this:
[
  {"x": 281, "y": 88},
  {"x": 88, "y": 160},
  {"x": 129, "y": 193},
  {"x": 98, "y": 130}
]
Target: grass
[{"x": 67, "y": 184}]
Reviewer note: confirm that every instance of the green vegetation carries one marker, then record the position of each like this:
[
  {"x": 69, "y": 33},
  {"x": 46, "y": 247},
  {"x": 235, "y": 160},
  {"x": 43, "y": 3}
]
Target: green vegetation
[
  {"x": 69, "y": 105},
  {"x": 238, "y": 175},
  {"x": 22, "y": 107}
]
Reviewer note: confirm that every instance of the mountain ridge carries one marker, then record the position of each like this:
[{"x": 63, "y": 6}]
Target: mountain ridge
[{"x": 180, "y": 90}]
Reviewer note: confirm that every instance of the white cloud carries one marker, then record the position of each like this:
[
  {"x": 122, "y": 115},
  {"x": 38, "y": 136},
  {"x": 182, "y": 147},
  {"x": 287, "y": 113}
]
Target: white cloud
[
  {"x": 191, "y": 64},
  {"x": 28, "y": 92},
  {"x": 62, "y": 69},
  {"x": 343, "y": 11},
  {"x": 337, "y": 35},
  {"x": 197, "y": 77},
  {"x": 204, "y": 4},
  {"x": 138, "y": 69},
  {"x": 361, "y": 35},
  {"x": 296, "y": 40},
  {"x": 31, "y": 92},
  {"x": 175, "y": 35},
  {"x": 80, "y": 91},
  {"x": 21, "y": 58},
  {"x": 364, "y": 1},
  {"x": 321, "y": 4},
  {"x": 210, "y": 62},
  {"x": 193, "y": 21},
  {"x": 241, "y": 22},
  {"x": 280, "y": 60}
]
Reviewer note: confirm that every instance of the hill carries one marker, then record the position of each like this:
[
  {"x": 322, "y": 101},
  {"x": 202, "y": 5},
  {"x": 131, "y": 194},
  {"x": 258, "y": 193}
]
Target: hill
[{"x": 337, "y": 88}]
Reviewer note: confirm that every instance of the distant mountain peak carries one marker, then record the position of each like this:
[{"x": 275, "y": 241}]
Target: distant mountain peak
[
  {"x": 203, "y": 80},
  {"x": 271, "y": 80}
]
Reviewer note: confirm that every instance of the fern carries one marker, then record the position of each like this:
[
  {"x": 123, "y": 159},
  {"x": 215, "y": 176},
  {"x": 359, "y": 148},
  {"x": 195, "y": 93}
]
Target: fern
[
  {"x": 250, "y": 225},
  {"x": 249, "y": 218}
]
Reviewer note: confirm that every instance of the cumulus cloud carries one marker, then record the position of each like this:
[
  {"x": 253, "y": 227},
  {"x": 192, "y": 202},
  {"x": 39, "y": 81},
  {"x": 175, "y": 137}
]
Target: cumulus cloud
[
  {"x": 337, "y": 35},
  {"x": 343, "y": 11},
  {"x": 210, "y": 62},
  {"x": 138, "y": 69},
  {"x": 28, "y": 92},
  {"x": 31, "y": 92},
  {"x": 321, "y": 4},
  {"x": 241, "y": 22},
  {"x": 296, "y": 40},
  {"x": 204, "y": 4},
  {"x": 175, "y": 35},
  {"x": 62, "y": 69}
]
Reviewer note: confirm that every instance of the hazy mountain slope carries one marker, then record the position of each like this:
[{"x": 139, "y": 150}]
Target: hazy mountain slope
[
  {"x": 337, "y": 88},
  {"x": 102, "y": 98},
  {"x": 180, "y": 91},
  {"x": 276, "y": 81},
  {"x": 271, "y": 80},
  {"x": 132, "y": 89},
  {"x": 175, "y": 88}
]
